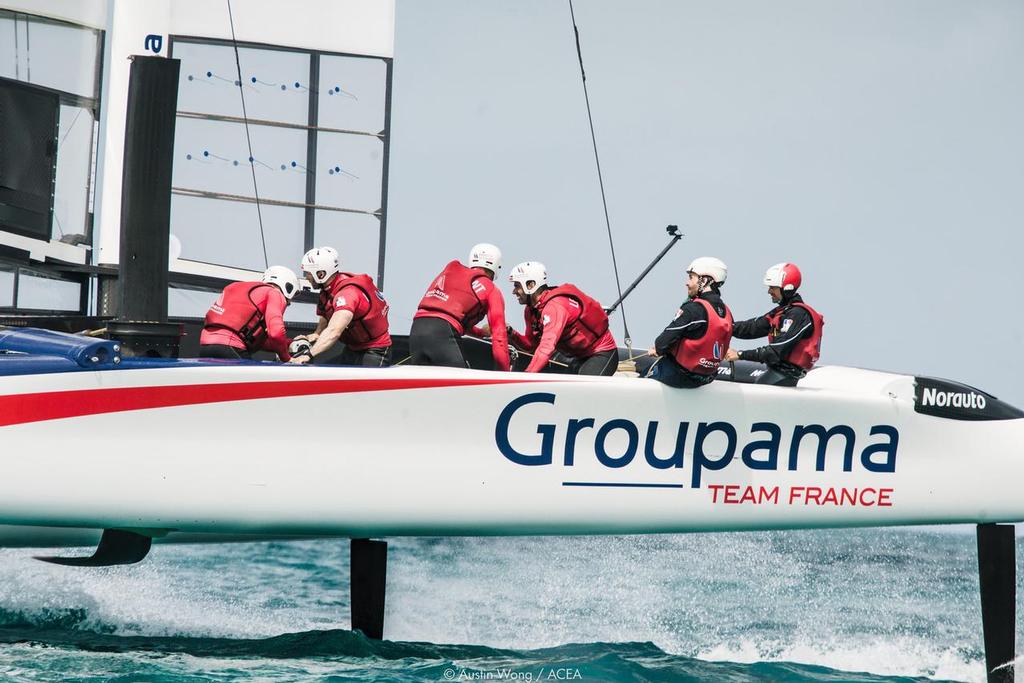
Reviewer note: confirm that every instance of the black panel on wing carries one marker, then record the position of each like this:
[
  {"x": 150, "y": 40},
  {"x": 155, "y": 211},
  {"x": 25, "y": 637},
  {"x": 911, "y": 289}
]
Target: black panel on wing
[{"x": 956, "y": 401}]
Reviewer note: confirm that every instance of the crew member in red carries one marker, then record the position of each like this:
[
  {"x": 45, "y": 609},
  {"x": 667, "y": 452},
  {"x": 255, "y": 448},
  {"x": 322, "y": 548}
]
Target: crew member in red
[
  {"x": 249, "y": 317},
  {"x": 562, "y": 318},
  {"x": 351, "y": 309},
  {"x": 793, "y": 329},
  {"x": 691, "y": 348},
  {"x": 459, "y": 298}
]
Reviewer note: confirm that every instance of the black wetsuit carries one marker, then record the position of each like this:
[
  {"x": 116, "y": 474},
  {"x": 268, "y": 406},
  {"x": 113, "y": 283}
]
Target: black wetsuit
[
  {"x": 377, "y": 357},
  {"x": 601, "y": 364},
  {"x": 690, "y": 323},
  {"x": 433, "y": 341},
  {"x": 794, "y": 325}
]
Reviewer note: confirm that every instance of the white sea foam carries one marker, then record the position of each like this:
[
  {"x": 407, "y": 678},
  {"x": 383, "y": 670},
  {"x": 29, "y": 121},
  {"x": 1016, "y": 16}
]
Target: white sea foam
[
  {"x": 891, "y": 602},
  {"x": 886, "y": 657},
  {"x": 154, "y": 598}
]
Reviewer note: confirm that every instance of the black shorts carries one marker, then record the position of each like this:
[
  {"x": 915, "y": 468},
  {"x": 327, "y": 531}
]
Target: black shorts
[
  {"x": 667, "y": 371},
  {"x": 367, "y": 358},
  {"x": 433, "y": 341},
  {"x": 603, "y": 364}
]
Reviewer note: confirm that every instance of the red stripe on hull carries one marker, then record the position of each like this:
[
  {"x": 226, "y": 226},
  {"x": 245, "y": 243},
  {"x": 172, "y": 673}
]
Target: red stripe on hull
[{"x": 56, "y": 405}]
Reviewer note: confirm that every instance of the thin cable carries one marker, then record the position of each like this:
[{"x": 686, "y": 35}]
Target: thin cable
[
  {"x": 68, "y": 131},
  {"x": 28, "y": 52},
  {"x": 600, "y": 179},
  {"x": 17, "y": 51},
  {"x": 248, "y": 140}
]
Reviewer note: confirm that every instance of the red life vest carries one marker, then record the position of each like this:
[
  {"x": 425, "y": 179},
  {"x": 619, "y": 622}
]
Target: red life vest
[
  {"x": 452, "y": 294},
  {"x": 362, "y": 332},
  {"x": 805, "y": 352},
  {"x": 236, "y": 312},
  {"x": 580, "y": 336},
  {"x": 703, "y": 356}
]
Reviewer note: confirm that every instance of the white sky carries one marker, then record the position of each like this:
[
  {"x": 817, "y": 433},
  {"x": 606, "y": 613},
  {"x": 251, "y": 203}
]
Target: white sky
[{"x": 878, "y": 145}]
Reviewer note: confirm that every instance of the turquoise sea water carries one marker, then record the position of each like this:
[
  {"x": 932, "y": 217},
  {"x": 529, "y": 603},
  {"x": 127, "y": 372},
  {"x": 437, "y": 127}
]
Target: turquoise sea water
[{"x": 864, "y": 605}]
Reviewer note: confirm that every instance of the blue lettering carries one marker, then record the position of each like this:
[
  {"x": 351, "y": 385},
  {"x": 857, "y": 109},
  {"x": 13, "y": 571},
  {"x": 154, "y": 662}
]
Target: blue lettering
[
  {"x": 800, "y": 431},
  {"x": 700, "y": 462},
  {"x": 760, "y": 450},
  {"x": 570, "y": 437},
  {"x": 547, "y": 432},
  {"x": 676, "y": 459},
  {"x": 630, "y": 452},
  {"x": 154, "y": 43},
  {"x": 889, "y": 464},
  {"x": 771, "y": 445}
]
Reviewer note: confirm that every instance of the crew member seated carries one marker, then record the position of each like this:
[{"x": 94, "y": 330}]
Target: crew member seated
[
  {"x": 691, "y": 348},
  {"x": 249, "y": 317},
  {"x": 793, "y": 329},
  {"x": 562, "y": 318},
  {"x": 351, "y": 309},
  {"x": 456, "y": 301}
]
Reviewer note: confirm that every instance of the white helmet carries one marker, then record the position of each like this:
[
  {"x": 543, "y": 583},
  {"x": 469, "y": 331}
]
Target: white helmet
[
  {"x": 485, "y": 255},
  {"x": 529, "y": 271},
  {"x": 320, "y": 260},
  {"x": 785, "y": 276},
  {"x": 710, "y": 266},
  {"x": 284, "y": 278}
]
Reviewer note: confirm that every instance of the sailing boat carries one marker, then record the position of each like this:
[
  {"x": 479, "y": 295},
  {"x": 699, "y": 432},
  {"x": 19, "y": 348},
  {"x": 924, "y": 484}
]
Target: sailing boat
[{"x": 186, "y": 450}]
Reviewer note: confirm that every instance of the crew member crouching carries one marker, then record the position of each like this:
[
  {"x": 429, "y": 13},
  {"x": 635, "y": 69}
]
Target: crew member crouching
[
  {"x": 457, "y": 299},
  {"x": 692, "y": 346},
  {"x": 351, "y": 309},
  {"x": 249, "y": 317},
  {"x": 793, "y": 329},
  {"x": 562, "y": 318}
]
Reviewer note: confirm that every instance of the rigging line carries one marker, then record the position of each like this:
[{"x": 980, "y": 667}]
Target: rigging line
[
  {"x": 68, "y": 131},
  {"x": 600, "y": 178},
  {"x": 17, "y": 51},
  {"x": 248, "y": 140}
]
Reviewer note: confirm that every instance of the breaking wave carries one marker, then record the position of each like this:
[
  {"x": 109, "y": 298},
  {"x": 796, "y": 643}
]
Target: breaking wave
[{"x": 866, "y": 605}]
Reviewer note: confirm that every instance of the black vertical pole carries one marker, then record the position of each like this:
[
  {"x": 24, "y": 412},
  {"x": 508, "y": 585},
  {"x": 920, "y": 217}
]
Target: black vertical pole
[
  {"x": 146, "y": 188},
  {"x": 369, "y": 563},
  {"x": 312, "y": 119},
  {"x": 384, "y": 182},
  {"x": 997, "y": 574},
  {"x": 141, "y": 323}
]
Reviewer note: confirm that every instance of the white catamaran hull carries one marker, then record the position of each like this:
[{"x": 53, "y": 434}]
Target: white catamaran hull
[{"x": 244, "y": 450}]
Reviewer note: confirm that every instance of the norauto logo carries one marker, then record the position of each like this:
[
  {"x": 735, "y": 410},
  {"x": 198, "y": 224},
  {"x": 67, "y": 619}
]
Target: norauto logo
[
  {"x": 955, "y": 401},
  {"x": 931, "y": 396},
  {"x": 708, "y": 445}
]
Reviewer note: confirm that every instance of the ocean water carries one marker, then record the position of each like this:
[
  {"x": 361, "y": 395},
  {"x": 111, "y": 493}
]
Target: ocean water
[{"x": 861, "y": 605}]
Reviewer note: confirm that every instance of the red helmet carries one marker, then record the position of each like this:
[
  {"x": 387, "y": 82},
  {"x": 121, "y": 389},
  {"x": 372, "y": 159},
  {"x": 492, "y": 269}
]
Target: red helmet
[{"x": 785, "y": 276}]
